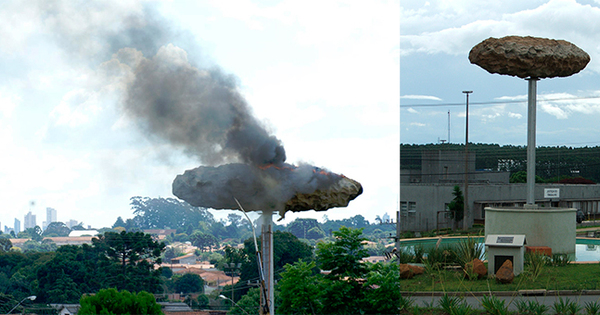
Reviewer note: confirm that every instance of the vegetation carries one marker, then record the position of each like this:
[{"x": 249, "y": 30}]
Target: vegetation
[
  {"x": 457, "y": 206},
  {"x": 553, "y": 164},
  {"x": 111, "y": 301}
]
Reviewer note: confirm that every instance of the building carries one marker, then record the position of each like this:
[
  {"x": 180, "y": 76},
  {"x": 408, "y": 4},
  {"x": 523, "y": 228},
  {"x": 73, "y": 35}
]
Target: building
[
  {"x": 29, "y": 221},
  {"x": 17, "y": 226},
  {"x": 50, "y": 217},
  {"x": 72, "y": 223},
  {"x": 426, "y": 193}
]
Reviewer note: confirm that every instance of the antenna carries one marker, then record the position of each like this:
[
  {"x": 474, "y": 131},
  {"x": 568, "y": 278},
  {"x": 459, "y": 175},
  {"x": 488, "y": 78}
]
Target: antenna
[{"x": 448, "y": 126}]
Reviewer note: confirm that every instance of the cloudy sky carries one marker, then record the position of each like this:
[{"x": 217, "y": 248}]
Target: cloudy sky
[
  {"x": 322, "y": 77},
  {"x": 436, "y": 37}
]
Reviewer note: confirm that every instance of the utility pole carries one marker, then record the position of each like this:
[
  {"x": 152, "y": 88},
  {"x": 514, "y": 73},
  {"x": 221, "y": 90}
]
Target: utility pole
[{"x": 466, "y": 197}]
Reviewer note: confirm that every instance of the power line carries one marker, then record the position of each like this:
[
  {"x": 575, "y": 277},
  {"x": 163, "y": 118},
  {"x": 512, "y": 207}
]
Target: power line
[{"x": 499, "y": 102}]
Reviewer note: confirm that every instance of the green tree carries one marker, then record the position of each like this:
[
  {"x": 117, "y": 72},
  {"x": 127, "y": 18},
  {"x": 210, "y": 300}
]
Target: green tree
[
  {"x": 203, "y": 241},
  {"x": 342, "y": 292},
  {"x": 34, "y": 233},
  {"x": 203, "y": 301},
  {"x": 521, "y": 177},
  {"x": 189, "y": 283},
  {"x": 160, "y": 213},
  {"x": 382, "y": 289},
  {"x": 111, "y": 301},
  {"x": 300, "y": 227},
  {"x": 5, "y": 245},
  {"x": 456, "y": 206},
  {"x": 315, "y": 233},
  {"x": 55, "y": 229},
  {"x": 137, "y": 254},
  {"x": 118, "y": 223},
  {"x": 287, "y": 249},
  {"x": 343, "y": 256},
  {"x": 299, "y": 289}
]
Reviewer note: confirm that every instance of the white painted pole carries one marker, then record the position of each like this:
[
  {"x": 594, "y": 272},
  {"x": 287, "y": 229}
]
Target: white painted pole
[
  {"x": 531, "y": 119},
  {"x": 267, "y": 254}
]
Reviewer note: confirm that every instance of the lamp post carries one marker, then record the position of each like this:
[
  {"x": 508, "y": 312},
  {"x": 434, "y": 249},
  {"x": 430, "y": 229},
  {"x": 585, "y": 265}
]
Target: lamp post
[
  {"x": 226, "y": 298},
  {"x": 466, "y": 198},
  {"x": 27, "y": 298},
  {"x": 233, "y": 270}
]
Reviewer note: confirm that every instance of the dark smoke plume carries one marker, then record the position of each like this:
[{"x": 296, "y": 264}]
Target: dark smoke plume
[{"x": 199, "y": 110}]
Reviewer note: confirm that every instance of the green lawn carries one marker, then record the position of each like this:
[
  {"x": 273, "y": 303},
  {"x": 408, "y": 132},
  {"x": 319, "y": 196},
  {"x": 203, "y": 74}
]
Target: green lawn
[{"x": 571, "y": 277}]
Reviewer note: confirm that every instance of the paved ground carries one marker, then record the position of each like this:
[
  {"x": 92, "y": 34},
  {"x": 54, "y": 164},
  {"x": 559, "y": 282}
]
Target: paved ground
[{"x": 510, "y": 298}]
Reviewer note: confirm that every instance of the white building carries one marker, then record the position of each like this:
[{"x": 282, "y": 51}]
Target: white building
[
  {"x": 50, "y": 217},
  {"x": 29, "y": 221},
  {"x": 17, "y": 226}
]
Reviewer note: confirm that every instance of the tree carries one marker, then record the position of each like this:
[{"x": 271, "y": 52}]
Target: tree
[
  {"x": 456, "y": 206},
  {"x": 300, "y": 227},
  {"x": 315, "y": 233},
  {"x": 34, "y": 233},
  {"x": 343, "y": 256},
  {"x": 136, "y": 253},
  {"x": 56, "y": 229},
  {"x": 160, "y": 213},
  {"x": 189, "y": 283},
  {"x": 342, "y": 292},
  {"x": 111, "y": 301},
  {"x": 203, "y": 240},
  {"x": 382, "y": 293},
  {"x": 299, "y": 289},
  {"x": 5, "y": 245},
  {"x": 118, "y": 223}
]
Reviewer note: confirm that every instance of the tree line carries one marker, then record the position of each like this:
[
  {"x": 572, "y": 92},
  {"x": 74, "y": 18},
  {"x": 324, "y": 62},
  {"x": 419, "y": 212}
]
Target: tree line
[{"x": 552, "y": 163}]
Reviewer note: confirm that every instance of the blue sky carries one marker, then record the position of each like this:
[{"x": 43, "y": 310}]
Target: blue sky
[
  {"x": 436, "y": 37},
  {"x": 321, "y": 76}
]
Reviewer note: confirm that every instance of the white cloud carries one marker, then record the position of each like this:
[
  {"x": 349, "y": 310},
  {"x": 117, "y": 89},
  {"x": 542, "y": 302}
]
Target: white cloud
[
  {"x": 418, "y": 124},
  {"x": 412, "y": 111},
  {"x": 420, "y": 97},
  {"x": 560, "y": 19},
  {"x": 515, "y": 115}
]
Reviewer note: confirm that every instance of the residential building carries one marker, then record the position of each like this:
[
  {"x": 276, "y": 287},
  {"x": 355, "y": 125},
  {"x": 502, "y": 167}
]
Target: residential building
[
  {"x": 17, "y": 226},
  {"x": 29, "y": 221},
  {"x": 50, "y": 217}
]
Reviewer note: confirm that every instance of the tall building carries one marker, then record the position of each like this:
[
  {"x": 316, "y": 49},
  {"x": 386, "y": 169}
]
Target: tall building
[
  {"x": 17, "y": 226},
  {"x": 72, "y": 223},
  {"x": 29, "y": 221},
  {"x": 50, "y": 217}
]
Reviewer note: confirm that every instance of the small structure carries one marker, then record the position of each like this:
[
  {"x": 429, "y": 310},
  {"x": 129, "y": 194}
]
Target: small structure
[
  {"x": 189, "y": 259},
  {"x": 500, "y": 248}
]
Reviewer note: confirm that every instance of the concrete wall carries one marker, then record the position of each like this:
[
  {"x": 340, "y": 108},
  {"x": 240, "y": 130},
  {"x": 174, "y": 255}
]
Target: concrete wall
[
  {"x": 431, "y": 198},
  {"x": 552, "y": 227}
]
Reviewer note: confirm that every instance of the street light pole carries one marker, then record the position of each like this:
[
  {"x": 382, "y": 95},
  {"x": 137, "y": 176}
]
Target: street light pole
[
  {"x": 29, "y": 297},
  {"x": 226, "y": 298},
  {"x": 466, "y": 197}
]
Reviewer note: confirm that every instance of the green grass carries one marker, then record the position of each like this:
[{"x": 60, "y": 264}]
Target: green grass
[{"x": 575, "y": 277}]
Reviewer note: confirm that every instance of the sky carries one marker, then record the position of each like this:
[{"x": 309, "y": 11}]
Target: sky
[
  {"x": 321, "y": 77},
  {"x": 435, "y": 40}
]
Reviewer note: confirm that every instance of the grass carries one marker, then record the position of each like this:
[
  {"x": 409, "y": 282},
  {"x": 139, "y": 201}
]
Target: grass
[{"x": 576, "y": 277}]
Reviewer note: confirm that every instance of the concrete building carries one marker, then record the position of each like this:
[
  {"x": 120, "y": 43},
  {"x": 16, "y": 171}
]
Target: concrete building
[
  {"x": 426, "y": 193},
  {"x": 17, "y": 226},
  {"x": 29, "y": 221},
  {"x": 50, "y": 217}
]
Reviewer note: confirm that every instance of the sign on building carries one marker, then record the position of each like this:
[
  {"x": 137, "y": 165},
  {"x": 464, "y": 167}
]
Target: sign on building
[{"x": 551, "y": 193}]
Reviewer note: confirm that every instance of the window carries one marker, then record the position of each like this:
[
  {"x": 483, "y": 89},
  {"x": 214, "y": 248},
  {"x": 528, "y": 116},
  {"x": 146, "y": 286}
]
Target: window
[
  {"x": 404, "y": 208},
  {"x": 412, "y": 208}
]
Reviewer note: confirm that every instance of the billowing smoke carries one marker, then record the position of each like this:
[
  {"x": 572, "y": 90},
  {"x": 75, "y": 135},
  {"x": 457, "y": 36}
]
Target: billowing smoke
[{"x": 201, "y": 111}]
